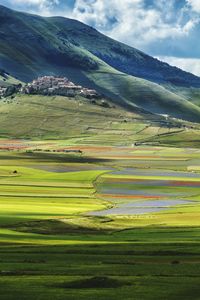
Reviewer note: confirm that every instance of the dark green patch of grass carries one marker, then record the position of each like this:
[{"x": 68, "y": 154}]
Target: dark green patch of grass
[
  {"x": 98, "y": 282},
  {"x": 50, "y": 227}
]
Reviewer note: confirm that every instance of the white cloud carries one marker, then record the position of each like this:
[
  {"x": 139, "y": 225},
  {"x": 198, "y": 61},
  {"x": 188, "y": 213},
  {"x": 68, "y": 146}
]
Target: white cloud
[
  {"x": 132, "y": 22},
  {"x": 195, "y": 5},
  {"x": 191, "y": 65}
]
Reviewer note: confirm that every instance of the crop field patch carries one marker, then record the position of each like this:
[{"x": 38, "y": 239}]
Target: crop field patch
[{"x": 72, "y": 223}]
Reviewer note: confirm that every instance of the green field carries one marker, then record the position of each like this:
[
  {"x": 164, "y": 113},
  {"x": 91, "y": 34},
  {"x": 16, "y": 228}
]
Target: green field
[{"x": 53, "y": 246}]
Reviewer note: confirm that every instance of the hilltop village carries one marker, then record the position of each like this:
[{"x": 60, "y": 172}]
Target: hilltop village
[{"x": 50, "y": 85}]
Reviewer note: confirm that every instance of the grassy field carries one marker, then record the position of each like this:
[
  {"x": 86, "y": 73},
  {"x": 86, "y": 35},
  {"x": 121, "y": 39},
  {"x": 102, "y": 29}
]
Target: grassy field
[{"x": 52, "y": 246}]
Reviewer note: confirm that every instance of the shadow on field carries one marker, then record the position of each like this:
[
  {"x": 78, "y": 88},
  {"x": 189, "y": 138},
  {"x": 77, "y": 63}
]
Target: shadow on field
[
  {"x": 97, "y": 282},
  {"x": 48, "y": 157},
  {"x": 54, "y": 227}
]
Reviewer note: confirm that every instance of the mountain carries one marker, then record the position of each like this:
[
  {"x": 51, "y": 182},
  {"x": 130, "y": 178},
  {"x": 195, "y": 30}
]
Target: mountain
[{"x": 31, "y": 45}]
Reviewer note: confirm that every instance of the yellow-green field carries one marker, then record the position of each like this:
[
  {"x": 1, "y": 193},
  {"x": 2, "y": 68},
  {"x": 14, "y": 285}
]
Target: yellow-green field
[{"x": 98, "y": 222}]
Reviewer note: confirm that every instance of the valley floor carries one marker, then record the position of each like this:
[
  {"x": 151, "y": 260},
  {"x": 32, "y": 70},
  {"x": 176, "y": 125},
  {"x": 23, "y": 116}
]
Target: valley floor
[{"x": 98, "y": 222}]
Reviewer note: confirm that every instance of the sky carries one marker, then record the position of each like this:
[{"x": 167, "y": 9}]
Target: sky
[{"x": 166, "y": 29}]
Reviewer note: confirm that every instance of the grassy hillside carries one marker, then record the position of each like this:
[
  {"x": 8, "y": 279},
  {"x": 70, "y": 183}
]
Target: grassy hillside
[
  {"x": 145, "y": 94},
  {"x": 7, "y": 79},
  {"x": 62, "y": 117},
  {"x": 43, "y": 46},
  {"x": 82, "y": 122},
  {"x": 192, "y": 94}
]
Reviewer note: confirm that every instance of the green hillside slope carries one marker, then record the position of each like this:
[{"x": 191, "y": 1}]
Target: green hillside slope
[
  {"x": 72, "y": 118},
  {"x": 80, "y": 121},
  {"x": 7, "y": 79}
]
